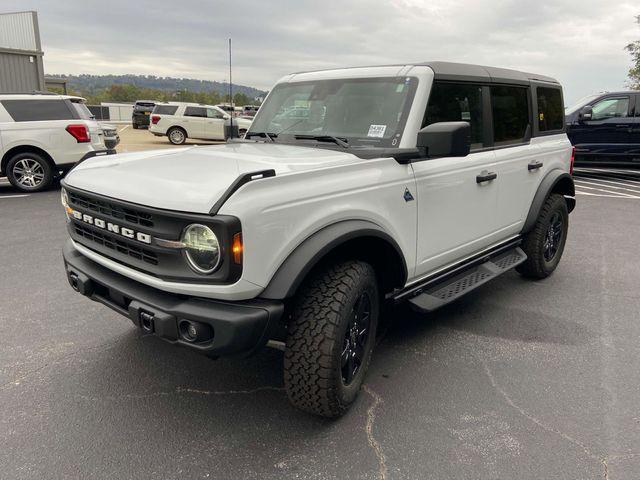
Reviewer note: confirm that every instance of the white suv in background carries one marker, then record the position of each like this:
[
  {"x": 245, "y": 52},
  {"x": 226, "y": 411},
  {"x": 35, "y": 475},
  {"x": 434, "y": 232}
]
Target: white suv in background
[
  {"x": 179, "y": 121},
  {"x": 42, "y": 136}
]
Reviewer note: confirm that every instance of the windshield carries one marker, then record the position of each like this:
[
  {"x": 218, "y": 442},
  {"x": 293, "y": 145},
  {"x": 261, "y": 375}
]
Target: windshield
[
  {"x": 363, "y": 111},
  {"x": 83, "y": 111},
  {"x": 580, "y": 103}
]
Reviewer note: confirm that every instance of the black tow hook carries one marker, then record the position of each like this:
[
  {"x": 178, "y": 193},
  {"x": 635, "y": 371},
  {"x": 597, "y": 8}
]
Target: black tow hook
[{"x": 146, "y": 321}]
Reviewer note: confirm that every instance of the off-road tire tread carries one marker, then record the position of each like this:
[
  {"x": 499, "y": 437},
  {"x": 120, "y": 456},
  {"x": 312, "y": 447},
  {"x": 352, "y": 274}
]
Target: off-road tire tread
[
  {"x": 532, "y": 244},
  {"x": 310, "y": 377}
]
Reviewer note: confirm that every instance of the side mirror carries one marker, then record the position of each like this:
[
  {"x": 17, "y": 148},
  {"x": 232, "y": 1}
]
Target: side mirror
[
  {"x": 586, "y": 113},
  {"x": 226, "y": 117},
  {"x": 445, "y": 139}
]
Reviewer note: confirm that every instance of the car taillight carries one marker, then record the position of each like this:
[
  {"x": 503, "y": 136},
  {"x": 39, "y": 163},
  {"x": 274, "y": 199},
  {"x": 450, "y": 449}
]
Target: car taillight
[
  {"x": 79, "y": 132},
  {"x": 155, "y": 119},
  {"x": 573, "y": 159}
]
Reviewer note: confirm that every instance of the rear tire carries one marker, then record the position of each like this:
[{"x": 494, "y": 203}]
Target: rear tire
[
  {"x": 177, "y": 135},
  {"x": 331, "y": 338},
  {"x": 545, "y": 243},
  {"x": 135, "y": 126},
  {"x": 29, "y": 172}
]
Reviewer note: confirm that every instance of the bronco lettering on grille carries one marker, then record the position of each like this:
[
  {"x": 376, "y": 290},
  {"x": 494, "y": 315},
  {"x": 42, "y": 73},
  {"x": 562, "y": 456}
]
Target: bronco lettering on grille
[{"x": 112, "y": 227}]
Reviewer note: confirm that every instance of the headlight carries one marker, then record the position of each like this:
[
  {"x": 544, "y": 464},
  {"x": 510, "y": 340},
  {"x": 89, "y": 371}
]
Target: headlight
[
  {"x": 201, "y": 248},
  {"x": 64, "y": 198}
]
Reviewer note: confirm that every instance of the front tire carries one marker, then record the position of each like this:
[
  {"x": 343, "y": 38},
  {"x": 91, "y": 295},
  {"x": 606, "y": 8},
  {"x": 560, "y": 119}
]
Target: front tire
[
  {"x": 331, "y": 338},
  {"x": 545, "y": 243},
  {"x": 177, "y": 136},
  {"x": 29, "y": 172}
]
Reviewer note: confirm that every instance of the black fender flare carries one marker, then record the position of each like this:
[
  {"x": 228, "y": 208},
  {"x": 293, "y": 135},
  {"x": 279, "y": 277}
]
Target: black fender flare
[
  {"x": 310, "y": 251},
  {"x": 555, "y": 181}
]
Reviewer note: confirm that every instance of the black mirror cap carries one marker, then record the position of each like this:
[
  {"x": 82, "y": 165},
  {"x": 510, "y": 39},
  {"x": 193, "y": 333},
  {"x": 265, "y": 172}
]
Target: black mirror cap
[
  {"x": 586, "y": 112},
  {"x": 445, "y": 139}
]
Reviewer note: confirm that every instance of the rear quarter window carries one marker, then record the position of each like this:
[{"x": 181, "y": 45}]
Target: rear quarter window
[
  {"x": 550, "y": 109},
  {"x": 38, "y": 110},
  {"x": 165, "y": 109},
  {"x": 195, "y": 112}
]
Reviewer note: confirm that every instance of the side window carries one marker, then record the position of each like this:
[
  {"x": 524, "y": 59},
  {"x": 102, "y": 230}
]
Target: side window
[
  {"x": 611, "y": 108},
  {"x": 550, "y": 109},
  {"x": 455, "y": 102},
  {"x": 195, "y": 112},
  {"x": 510, "y": 108},
  {"x": 34, "y": 110},
  {"x": 165, "y": 109},
  {"x": 213, "y": 113}
]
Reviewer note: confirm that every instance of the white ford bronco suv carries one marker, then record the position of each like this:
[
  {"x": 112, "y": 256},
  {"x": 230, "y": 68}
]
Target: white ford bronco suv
[{"x": 353, "y": 187}]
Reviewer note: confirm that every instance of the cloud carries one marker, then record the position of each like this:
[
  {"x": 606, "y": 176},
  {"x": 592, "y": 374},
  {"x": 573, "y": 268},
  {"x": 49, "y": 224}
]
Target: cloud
[{"x": 581, "y": 44}]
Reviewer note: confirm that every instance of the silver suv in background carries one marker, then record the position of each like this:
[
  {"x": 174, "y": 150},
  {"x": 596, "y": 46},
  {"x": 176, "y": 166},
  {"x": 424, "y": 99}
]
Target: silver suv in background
[{"x": 44, "y": 136}]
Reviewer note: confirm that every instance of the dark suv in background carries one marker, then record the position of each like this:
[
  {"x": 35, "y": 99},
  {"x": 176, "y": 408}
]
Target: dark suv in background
[
  {"x": 141, "y": 112},
  {"x": 605, "y": 128}
]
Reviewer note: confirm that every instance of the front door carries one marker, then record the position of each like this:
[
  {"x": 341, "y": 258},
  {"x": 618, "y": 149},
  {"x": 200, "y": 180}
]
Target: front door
[
  {"x": 609, "y": 130},
  {"x": 456, "y": 207}
]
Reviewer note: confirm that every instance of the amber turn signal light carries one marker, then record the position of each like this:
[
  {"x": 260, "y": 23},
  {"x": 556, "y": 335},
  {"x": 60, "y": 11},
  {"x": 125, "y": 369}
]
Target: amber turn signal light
[{"x": 237, "y": 248}]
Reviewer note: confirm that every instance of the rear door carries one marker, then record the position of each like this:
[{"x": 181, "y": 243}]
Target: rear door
[
  {"x": 193, "y": 121},
  {"x": 214, "y": 124},
  {"x": 609, "y": 131}
]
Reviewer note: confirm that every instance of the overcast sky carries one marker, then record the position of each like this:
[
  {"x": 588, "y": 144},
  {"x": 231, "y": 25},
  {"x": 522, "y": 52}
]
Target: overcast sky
[{"x": 580, "y": 42}]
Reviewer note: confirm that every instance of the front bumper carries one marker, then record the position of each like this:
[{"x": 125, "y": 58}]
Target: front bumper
[{"x": 237, "y": 327}]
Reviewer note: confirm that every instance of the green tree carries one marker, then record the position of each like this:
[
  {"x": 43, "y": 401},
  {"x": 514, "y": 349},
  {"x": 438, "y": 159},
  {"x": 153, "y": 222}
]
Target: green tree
[
  {"x": 240, "y": 99},
  {"x": 634, "y": 72}
]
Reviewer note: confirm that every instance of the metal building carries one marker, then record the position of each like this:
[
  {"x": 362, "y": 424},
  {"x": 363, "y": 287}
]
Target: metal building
[{"x": 21, "y": 69}]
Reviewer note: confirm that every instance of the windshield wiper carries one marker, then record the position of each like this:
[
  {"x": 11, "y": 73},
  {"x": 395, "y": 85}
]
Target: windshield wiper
[
  {"x": 268, "y": 136},
  {"x": 324, "y": 138}
]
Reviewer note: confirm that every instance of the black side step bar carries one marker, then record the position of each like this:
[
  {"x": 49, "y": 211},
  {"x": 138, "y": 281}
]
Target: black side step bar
[
  {"x": 439, "y": 278},
  {"x": 239, "y": 182},
  {"x": 453, "y": 288}
]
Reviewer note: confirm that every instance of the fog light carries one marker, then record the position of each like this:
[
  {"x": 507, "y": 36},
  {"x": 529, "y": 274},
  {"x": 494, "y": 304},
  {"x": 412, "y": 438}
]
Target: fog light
[{"x": 195, "y": 332}]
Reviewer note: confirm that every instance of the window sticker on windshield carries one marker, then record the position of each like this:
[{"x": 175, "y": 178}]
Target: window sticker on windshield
[
  {"x": 376, "y": 131},
  {"x": 465, "y": 115},
  {"x": 400, "y": 87}
]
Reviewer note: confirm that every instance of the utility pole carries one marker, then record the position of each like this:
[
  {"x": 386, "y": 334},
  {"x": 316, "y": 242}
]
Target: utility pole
[{"x": 230, "y": 94}]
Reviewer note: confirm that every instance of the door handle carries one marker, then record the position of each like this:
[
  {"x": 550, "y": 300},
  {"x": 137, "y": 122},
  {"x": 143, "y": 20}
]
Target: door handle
[
  {"x": 486, "y": 176},
  {"x": 535, "y": 165}
]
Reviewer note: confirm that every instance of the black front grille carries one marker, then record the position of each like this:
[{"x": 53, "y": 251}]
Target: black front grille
[
  {"x": 116, "y": 244},
  {"x": 110, "y": 209}
]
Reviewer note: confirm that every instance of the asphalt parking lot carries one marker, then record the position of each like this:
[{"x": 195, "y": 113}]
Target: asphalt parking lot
[{"x": 520, "y": 379}]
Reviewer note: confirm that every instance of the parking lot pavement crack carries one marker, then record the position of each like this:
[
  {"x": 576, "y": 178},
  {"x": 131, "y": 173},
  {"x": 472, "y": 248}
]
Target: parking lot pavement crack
[
  {"x": 373, "y": 443},
  {"x": 605, "y": 467},
  {"x": 177, "y": 391},
  {"x": 533, "y": 419},
  {"x": 228, "y": 392}
]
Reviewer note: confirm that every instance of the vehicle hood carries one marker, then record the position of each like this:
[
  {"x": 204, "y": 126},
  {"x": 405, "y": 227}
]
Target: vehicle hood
[{"x": 192, "y": 179}]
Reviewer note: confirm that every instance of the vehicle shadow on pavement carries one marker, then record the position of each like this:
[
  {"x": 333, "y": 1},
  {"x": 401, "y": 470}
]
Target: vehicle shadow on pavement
[{"x": 483, "y": 313}]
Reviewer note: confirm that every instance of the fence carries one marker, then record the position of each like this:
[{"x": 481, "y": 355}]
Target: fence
[{"x": 112, "y": 112}]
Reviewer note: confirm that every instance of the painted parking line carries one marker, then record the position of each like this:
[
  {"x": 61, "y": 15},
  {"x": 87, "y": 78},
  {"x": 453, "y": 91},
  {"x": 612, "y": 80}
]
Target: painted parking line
[
  {"x": 2, "y": 197},
  {"x": 124, "y": 128},
  {"x": 610, "y": 180},
  {"x": 602, "y": 190},
  {"x": 611, "y": 185},
  {"x": 578, "y": 192}
]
